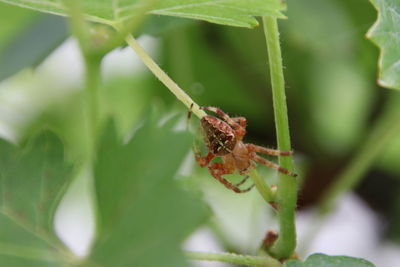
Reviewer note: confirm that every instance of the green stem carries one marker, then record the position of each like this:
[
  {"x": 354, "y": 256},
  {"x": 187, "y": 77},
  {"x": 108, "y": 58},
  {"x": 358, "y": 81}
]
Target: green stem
[
  {"x": 92, "y": 81},
  {"x": 92, "y": 59},
  {"x": 261, "y": 186},
  {"x": 383, "y": 132},
  {"x": 286, "y": 196},
  {"x": 78, "y": 26},
  {"x": 264, "y": 261},
  {"x": 164, "y": 78}
]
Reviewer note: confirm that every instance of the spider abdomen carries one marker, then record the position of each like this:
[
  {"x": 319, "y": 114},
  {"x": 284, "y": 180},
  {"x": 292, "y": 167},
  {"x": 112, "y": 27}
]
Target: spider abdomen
[{"x": 219, "y": 136}]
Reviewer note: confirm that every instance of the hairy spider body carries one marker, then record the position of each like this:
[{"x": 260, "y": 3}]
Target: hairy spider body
[
  {"x": 223, "y": 138},
  {"x": 218, "y": 135},
  {"x": 239, "y": 159}
]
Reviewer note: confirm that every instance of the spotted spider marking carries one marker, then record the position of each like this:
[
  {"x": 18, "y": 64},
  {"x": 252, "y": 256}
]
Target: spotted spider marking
[{"x": 218, "y": 135}]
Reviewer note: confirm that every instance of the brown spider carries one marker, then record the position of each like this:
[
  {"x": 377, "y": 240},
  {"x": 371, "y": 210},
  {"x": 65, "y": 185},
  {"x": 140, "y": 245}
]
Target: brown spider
[{"x": 224, "y": 138}]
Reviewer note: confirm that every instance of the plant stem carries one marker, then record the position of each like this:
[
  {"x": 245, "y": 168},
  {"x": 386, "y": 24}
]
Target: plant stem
[
  {"x": 92, "y": 81},
  {"x": 92, "y": 59},
  {"x": 264, "y": 261},
  {"x": 79, "y": 27},
  {"x": 383, "y": 132},
  {"x": 261, "y": 186},
  {"x": 164, "y": 78},
  {"x": 286, "y": 196}
]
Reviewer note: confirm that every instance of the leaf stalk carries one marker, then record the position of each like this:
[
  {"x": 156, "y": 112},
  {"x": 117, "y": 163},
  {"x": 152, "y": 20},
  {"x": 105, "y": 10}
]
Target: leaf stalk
[{"x": 164, "y": 78}]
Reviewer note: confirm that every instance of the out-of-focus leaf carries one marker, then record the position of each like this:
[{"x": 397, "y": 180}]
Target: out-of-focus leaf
[
  {"x": 143, "y": 216},
  {"x": 12, "y": 20},
  {"x": 319, "y": 260},
  {"x": 32, "y": 44},
  {"x": 228, "y": 12},
  {"x": 336, "y": 93},
  {"x": 32, "y": 181},
  {"x": 386, "y": 34},
  {"x": 126, "y": 99},
  {"x": 157, "y": 25}
]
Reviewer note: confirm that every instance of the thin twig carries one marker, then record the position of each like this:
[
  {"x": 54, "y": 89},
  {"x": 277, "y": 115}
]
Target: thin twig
[{"x": 164, "y": 78}]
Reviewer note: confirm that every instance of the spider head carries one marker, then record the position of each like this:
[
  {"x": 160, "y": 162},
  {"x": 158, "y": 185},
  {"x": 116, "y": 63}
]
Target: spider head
[{"x": 219, "y": 136}]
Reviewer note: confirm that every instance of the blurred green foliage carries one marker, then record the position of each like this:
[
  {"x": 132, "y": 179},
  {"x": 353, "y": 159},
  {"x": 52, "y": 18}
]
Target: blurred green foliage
[
  {"x": 33, "y": 179},
  {"x": 13, "y": 19},
  {"x": 26, "y": 38},
  {"x": 137, "y": 198}
]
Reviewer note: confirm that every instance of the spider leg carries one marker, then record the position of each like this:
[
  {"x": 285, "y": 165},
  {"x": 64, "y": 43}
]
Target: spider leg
[
  {"x": 271, "y": 165},
  {"x": 219, "y": 169},
  {"x": 189, "y": 116},
  {"x": 243, "y": 181},
  {"x": 203, "y": 161},
  {"x": 190, "y": 112},
  {"x": 222, "y": 114},
  {"x": 240, "y": 131},
  {"x": 241, "y": 121},
  {"x": 268, "y": 151}
]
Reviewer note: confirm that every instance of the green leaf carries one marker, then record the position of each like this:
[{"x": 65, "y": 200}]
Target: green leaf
[
  {"x": 126, "y": 105},
  {"x": 12, "y": 20},
  {"x": 385, "y": 33},
  {"x": 319, "y": 260},
  {"x": 33, "y": 44},
  {"x": 32, "y": 181},
  {"x": 143, "y": 216},
  {"x": 228, "y": 12},
  {"x": 159, "y": 25}
]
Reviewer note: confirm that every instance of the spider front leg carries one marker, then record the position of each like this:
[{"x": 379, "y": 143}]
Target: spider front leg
[
  {"x": 219, "y": 169},
  {"x": 271, "y": 165},
  {"x": 203, "y": 161},
  {"x": 241, "y": 121},
  {"x": 222, "y": 114},
  {"x": 240, "y": 131},
  {"x": 268, "y": 151}
]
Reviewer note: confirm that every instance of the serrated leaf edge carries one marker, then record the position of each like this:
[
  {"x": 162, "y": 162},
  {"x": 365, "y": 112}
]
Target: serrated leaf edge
[{"x": 370, "y": 35}]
